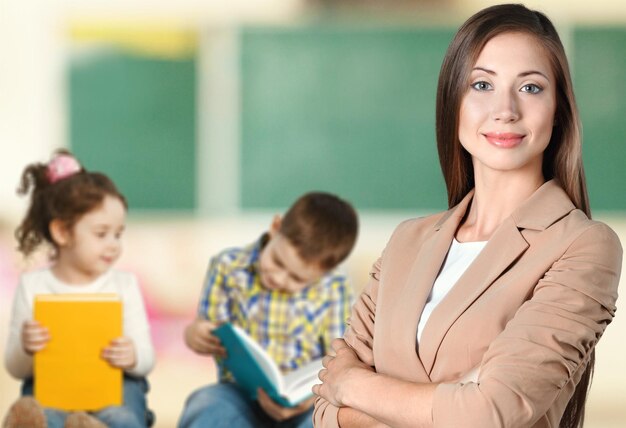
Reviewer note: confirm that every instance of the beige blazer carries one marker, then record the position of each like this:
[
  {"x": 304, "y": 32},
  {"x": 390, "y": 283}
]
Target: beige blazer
[{"x": 520, "y": 323}]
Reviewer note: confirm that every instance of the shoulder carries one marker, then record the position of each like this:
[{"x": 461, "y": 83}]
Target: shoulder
[
  {"x": 335, "y": 280},
  {"x": 413, "y": 229},
  {"x": 587, "y": 256},
  {"x": 123, "y": 282},
  {"x": 34, "y": 276},
  {"x": 36, "y": 280},
  {"x": 234, "y": 258},
  {"x": 333, "y": 287},
  {"x": 577, "y": 229}
]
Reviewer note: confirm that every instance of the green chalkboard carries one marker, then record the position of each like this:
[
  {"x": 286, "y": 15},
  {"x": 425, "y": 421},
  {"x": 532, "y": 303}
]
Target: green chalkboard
[
  {"x": 133, "y": 117},
  {"x": 599, "y": 59},
  {"x": 346, "y": 110}
]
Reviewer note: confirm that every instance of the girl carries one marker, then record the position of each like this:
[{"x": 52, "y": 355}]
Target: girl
[
  {"x": 81, "y": 215},
  {"x": 487, "y": 315}
]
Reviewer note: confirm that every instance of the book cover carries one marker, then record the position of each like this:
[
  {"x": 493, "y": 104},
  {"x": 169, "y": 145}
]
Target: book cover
[
  {"x": 252, "y": 367},
  {"x": 69, "y": 372}
]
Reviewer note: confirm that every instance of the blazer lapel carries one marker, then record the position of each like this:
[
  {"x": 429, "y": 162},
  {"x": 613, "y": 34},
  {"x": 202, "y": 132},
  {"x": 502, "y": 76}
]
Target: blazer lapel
[
  {"x": 506, "y": 245},
  {"x": 424, "y": 270}
]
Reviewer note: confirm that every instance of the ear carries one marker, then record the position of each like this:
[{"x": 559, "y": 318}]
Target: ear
[
  {"x": 59, "y": 232},
  {"x": 275, "y": 225}
]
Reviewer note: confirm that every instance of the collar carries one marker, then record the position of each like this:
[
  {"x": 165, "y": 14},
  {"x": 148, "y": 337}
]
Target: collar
[{"x": 255, "y": 251}]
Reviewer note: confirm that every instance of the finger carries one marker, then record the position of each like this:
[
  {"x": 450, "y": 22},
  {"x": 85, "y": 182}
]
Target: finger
[
  {"x": 34, "y": 342},
  {"x": 120, "y": 360},
  {"x": 338, "y": 344},
  {"x": 208, "y": 348},
  {"x": 214, "y": 340},
  {"x": 35, "y": 329},
  {"x": 270, "y": 406},
  {"x": 322, "y": 374},
  {"x": 220, "y": 351},
  {"x": 37, "y": 334},
  {"x": 210, "y": 342},
  {"x": 215, "y": 347},
  {"x": 121, "y": 341},
  {"x": 265, "y": 402},
  {"x": 35, "y": 347},
  {"x": 31, "y": 324},
  {"x": 117, "y": 351},
  {"x": 316, "y": 389},
  {"x": 327, "y": 359},
  {"x": 265, "y": 399}
]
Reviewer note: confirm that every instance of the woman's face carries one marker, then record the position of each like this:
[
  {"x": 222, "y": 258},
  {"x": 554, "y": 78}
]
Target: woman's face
[{"x": 507, "y": 114}]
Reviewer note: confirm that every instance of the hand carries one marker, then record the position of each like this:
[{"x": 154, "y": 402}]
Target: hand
[
  {"x": 199, "y": 338},
  {"x": 278, "y": 412},
  {"x": 34, "y": 337},
  {"x": 340, "y": 369},
  {"x": 120, "y": 353}
]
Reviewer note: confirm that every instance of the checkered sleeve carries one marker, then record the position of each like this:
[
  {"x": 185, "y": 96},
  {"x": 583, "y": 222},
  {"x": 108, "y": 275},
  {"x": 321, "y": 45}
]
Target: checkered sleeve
[
  {"x": 214, "y": 298},
  {"x": 340, "y": 303}
]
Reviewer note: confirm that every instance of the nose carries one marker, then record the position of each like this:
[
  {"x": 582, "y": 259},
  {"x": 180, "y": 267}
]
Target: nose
[
  {"x": 114, "y": 244},
  {"x": 280, "y": 278},
  {"x": 505, "y": 108}
]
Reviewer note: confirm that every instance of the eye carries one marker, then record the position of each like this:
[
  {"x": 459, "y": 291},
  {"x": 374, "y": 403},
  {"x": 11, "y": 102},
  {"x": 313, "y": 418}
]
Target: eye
[
  {"x": 481, "y": 86},
  {"x": 297, "y": 279},
  {"x": 531, "y": 88},
  {"x": 277, "y": 262}
]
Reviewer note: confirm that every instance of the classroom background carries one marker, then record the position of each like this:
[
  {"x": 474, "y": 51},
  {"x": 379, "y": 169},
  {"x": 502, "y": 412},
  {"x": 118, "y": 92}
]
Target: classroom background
[{"x": 213, "y": 116}]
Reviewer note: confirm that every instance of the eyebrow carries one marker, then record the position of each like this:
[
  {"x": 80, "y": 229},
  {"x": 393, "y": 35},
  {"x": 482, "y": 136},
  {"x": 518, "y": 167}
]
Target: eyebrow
[
  {"x": 522, "y": 74},
  {"x": 280, "y": 263}
]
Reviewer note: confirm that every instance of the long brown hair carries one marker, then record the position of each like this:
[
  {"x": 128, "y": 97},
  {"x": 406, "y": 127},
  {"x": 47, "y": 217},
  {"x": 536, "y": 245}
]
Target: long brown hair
[
  {"x": 66, "y": 200},
  {"x": 562, "y": 159}
]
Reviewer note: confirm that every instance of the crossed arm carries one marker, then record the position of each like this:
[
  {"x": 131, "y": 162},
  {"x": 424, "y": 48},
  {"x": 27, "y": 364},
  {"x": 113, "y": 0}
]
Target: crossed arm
[{"x": 355, "y": 388}]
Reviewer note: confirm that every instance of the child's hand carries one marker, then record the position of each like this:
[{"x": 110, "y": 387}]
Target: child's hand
[
  {"x": 120, "y": 353},
  {"x": 34, "y": 337},
  {"x": 199, "y": 338},
  {"x": 278, "y": 412}
]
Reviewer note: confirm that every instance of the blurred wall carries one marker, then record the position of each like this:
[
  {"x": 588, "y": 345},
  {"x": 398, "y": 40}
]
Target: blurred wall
[{"x": 37, "y": 44}]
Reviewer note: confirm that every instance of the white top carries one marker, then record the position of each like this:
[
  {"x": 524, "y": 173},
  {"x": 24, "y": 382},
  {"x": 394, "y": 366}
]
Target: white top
[
  {"x": 135, "y": 324},
  {"x": 460, "y": 256}
]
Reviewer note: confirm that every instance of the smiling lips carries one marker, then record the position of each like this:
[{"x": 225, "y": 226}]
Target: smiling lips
[{"x": 504, "y": 140}]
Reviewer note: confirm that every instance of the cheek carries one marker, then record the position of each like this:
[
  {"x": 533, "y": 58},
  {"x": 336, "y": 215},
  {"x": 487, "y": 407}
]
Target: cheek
[
  {"x": 264, "y": 263},
  {"x": 543, "y": 119},
  {"x": 470, "y": 117}
]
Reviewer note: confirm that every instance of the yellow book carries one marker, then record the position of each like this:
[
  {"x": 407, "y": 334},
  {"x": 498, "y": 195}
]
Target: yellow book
[{"x": 70, "y": 373}]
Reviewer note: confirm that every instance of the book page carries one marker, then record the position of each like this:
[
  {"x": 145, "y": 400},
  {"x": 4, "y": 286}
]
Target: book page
[{"x": 299, "y": 382}]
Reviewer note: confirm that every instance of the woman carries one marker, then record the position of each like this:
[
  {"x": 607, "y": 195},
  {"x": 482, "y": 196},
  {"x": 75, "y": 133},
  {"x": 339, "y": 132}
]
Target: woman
[{"x": 488, "y": 314}]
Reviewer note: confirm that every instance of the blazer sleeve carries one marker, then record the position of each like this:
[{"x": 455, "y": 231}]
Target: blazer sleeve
[
  {"x": 544, "y": 349},
  {"x": 359, "y": 336}
]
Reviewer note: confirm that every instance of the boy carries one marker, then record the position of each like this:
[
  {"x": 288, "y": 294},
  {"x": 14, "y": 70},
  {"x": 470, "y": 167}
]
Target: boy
[{"x": 282, "y": 291}]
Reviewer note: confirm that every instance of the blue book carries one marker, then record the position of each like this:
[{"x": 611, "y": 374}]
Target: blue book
[{"x": 253, "y": 368}]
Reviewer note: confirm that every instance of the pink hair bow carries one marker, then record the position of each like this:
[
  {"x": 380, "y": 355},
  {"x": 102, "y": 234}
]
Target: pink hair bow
[{"x": 62, "y": 166}]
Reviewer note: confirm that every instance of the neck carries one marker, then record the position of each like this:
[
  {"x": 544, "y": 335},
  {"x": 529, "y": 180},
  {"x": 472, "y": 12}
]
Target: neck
[
  {"x": 70, "y": 275},
  {"x": 496, "y": 196}
]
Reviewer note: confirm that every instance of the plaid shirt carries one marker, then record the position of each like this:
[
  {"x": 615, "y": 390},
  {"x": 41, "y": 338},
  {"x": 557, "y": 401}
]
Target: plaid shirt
[{"x": 294, "y": 328}]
